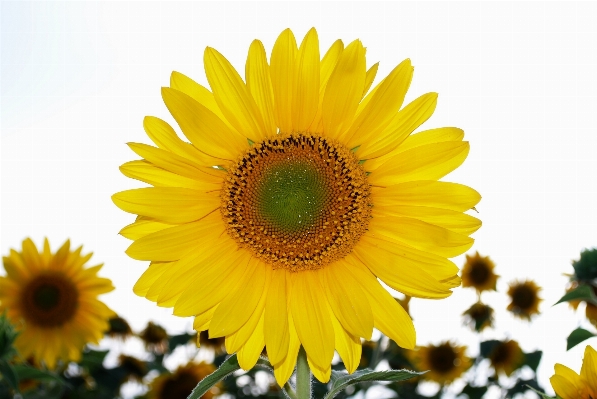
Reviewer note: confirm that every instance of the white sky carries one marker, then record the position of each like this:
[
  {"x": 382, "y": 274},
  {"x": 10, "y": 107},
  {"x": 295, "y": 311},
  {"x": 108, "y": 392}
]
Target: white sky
[{"x": 77, "y": 78}]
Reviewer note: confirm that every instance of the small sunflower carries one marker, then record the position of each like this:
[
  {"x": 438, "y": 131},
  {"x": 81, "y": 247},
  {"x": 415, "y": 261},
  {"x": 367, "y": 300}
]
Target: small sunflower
[
  {"x": 506, "y": 357},
  {"x": 55, "y": 297},
  {"x": 119, "y": 328},
  {"x": 524, "y": 299},
  {"x": 299, "y": 188},
  {"x": 479, "y": 316},
  {"x": 180, "y": 384},
  {"x": 569, "y": 385},
  {"x": 216, "y": 344},
  {"x": 445, "y": 362},
  {"x": 155, "y": 337},
  {"x": 478, "y": 273},
  {"x": 135, "y": 369}
]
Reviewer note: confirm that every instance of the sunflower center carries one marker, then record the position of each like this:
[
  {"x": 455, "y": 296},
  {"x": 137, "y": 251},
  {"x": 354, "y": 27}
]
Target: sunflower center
[
  {"x": 297, "y": 201},
  {"x": 523, "y": 297},
  {"x": 179, "y": 385},
  {"x": 479, "y": 273},
  {"x": 442, "y": 358},
  {"x": 50, "y": 300}
]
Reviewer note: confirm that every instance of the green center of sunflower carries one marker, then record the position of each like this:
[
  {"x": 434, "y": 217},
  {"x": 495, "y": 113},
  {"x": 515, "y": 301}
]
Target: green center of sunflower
[
  {"x": 297, "y": 201},
  {"x": 49, "y": 300}
]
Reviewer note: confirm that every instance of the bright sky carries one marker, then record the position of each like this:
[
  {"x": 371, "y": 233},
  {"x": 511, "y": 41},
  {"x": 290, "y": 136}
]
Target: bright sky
[{"x": 77, "y": 78}]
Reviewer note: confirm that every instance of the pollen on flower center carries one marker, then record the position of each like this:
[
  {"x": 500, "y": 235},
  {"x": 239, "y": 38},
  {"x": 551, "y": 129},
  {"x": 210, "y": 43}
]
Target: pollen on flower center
[
  {"x": 298, "y": 201},
  {"x": 49, "y": 300}
]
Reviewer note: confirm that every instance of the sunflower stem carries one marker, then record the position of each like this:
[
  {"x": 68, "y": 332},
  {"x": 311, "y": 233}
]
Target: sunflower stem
[{"x": 303, "y": 376}]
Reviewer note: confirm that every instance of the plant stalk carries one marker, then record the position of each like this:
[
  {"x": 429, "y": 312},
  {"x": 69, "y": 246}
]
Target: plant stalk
[{"x": 303, "y": 376}]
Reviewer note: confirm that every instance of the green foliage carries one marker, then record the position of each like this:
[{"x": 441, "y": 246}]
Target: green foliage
[
  {"x": 341, "y": 380},
  {"x": 474, "y": 392},
  {"x": 581, "y": 293},
  {"x": 7, "y": 338},
  {"x": 585, "y": 269},
  {"x": 577, "y": 336}
]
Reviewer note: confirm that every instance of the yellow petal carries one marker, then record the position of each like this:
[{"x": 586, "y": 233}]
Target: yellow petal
[
  {"x": 237, "y": 339},
  {"x": 370, "y": 77},
  {"x": 167, "y": 204},
  {"x": 311, "y": 317},
  {"x": 347, "y": 345},
  {"x": 276, "y": 317},
  {"x": 150, "y": 174},
  {"x": 588, "y": 370},
  {"x": 323, "y": 375},
  {"x": 344, "y": 89},
  {"x": 164, "y": 136},
  {"x": 456, "y": 197},
  {"x": 150, "y": 276},
  {"x": 306, "y": 82},
  {"x": 400, "y": 127},
  {"x": 282, "y": 74},
  {"x": 237, "y": 307},
  {"x": 284, "y": 370},
  {"x": 389, "y": 317},
  {"x": 384, "y": 104},
  {"x": 31, "y": 256},
  {"x": 394, "y": 270},
  {"x": 418, "y": 234},
  {"x": 232, "y": 96},
  {"x": 564, "y": 388},
  {"x": 426, "y": 162},
  {"x": 347, "y": 301},
  {"x": 259, "y": 84},
  {"x": 201, "y": 321},
  {"x": 249, "y": 353},
  {"x": 141, "y": 228},
  {"x": 202, "y": 127},
  {"x": 457, "y": 222}
]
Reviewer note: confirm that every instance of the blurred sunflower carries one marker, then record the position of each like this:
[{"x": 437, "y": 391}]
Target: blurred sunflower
[
  {"x": 569, "y": 385},
  {"x": 445, "y": 362},
  {"x": 478, "y": 273},
  {"x": 216, "y": 344},
  {"x": 506, "y": 357},
  {"x": 155, "y": 337},
  {"x": 479, "y": 316},
  {"x": 55, "y": 297},
  {"x": 134, "y": 369},
  {"x": 119, "y": 328},
  {"x": 180, "y": 384},
  {"x": 524, "y": 299},
  {"x": 299, "y": 188}
]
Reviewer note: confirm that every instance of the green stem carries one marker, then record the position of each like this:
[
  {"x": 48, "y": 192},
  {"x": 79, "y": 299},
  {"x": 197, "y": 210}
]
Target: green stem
[{"x": 303, "y": 376}]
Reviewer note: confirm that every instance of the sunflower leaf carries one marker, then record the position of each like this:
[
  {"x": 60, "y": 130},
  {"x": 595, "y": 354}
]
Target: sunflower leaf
[
  {"x": 341, "y": 380},
  {"x": 228, "y": 367},
  {"x": 25, "y": 372},
  {"x": 8, "y": 373},
  {"x": 581, "y": 293},
  {"x": 532, "y": 359},
  {"x": 577, "y": 336}
]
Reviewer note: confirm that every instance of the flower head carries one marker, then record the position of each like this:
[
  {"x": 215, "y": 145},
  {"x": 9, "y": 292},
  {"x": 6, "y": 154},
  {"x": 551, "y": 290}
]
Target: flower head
[
  {"x": 55, "y": 297},
  {"x": 298, "y": 188},
  {"x": 478, "y": 273},
  {"x": 524, "y": 299},
  {"x": 134, "y": 369},
  {"x": 445, "y": 362},
  {"x": 155, "y": 337},
  {"x": 569, "y": 385},
  {"x": 506, "y": 356},
  {"x": 180, "y": 383},
  {"x": 479, "y": 316},
  {"x": 119, "y": 328}
]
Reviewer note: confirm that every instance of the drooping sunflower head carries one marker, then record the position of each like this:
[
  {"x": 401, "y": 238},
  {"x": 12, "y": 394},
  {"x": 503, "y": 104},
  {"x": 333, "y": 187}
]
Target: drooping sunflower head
[
  {"x": 119, "y": 328},
  {"x": 134, "y": 369},
  {"x": 445, "y": 362},
  {"x": 506, "y": 356},
  {"x": 478, "y": 273},
  {"x": 298, "y": 188},
  {"x": 479, "y": 316},
  {"x": 155, "y": 337},
  {"x": 53, "y": 295},
  {"x": 585, "y": 269},
  {"x": 524, "y": 299},
  {"x": 569, "y": 385},
  {"x": 180, "y": 383}
]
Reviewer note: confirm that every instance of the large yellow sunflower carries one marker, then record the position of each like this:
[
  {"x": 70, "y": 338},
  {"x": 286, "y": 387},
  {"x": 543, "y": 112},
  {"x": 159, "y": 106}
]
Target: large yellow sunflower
[
  {"x": 299, "y": 188},
  {"x": 569, "y": 385},
  {"x": 53, "y": 298}
]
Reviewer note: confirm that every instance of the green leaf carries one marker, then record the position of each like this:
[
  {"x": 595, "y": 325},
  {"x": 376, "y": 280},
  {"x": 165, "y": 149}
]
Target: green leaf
[
  {"x": 542, "y": 394},
  {"x": 581, "y": 293},
  {"x": 228, "y": 367},
  {"x": 93, "y": 359},
  {"x": 8, "y": 373},
  {"x": 474, "y": 392},
  {"x": 487, "y": 347},
  {"x": 341, "y": 380},
  {"x": 577, "y": 336},
  {"x": 7, "y": 337},
  {"x": 25, "y": 372},
  {"x": 532, "y": 359}
]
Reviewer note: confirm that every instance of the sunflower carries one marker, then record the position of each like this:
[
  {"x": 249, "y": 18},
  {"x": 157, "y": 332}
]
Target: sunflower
[
  {"x": 506, "y": 356},
  {"x": 119, "y": 328},
  {"x": 215, "y": 344},
  {"x": 479, "y": 316},
  {"x": 55, "y": 297},
  {"x": 134, "y": 369},
  {"x": 524, "y": 299},
  {"x": 478, "y": 273},
  {"x": 569, "y": 385},
  {"x": 155, "y": 337},
  {"x": 300, "y": 187},
  {"x": 180, "y": 384},
  {"x": 445, "y": 362}
]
